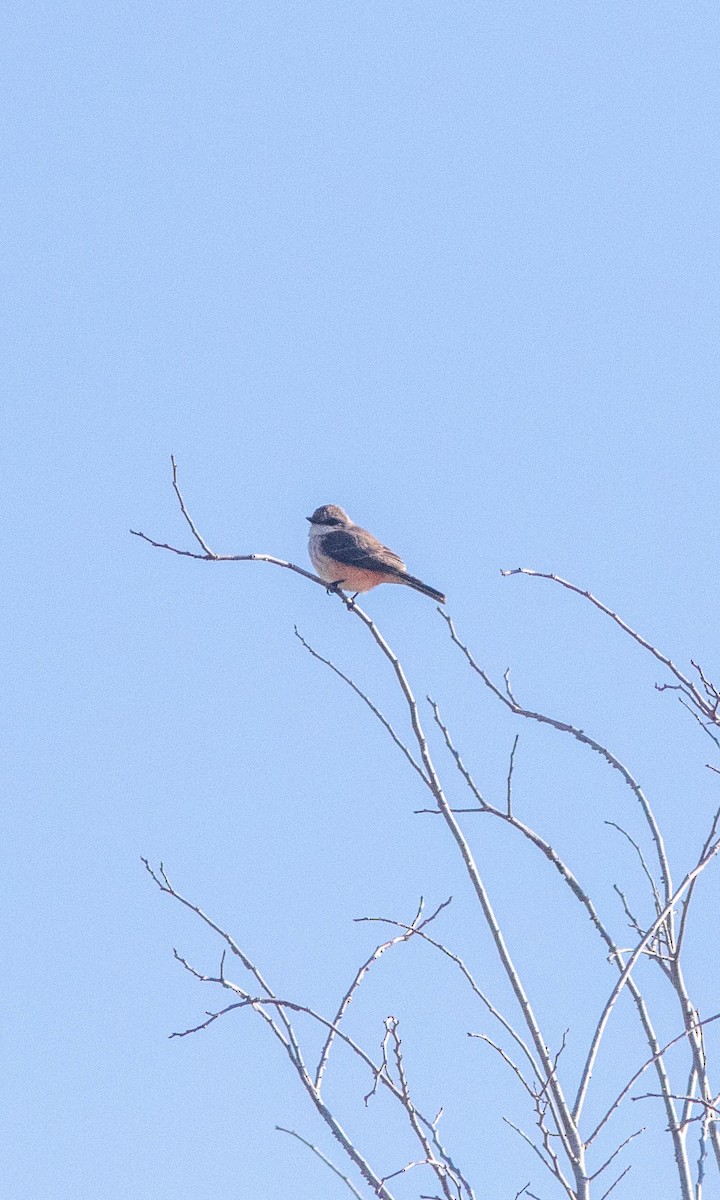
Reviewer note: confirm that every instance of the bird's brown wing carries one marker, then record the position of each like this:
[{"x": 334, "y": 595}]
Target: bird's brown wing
[{"x": 360, "y": 549}]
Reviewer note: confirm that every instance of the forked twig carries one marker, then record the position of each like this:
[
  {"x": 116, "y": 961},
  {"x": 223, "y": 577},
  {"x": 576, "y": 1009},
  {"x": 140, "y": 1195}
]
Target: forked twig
[
  {"x": 508, "y": 699},
  {"x": 209, "y": 555},
  {"x": 628, "y": 968},
  {"x": 709, "y": 707},
  {"x": 408, "y": 932}
]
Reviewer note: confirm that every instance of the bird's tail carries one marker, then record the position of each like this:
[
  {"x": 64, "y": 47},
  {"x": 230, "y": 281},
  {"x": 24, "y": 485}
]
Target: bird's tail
[{"x": 419, "y": 586}]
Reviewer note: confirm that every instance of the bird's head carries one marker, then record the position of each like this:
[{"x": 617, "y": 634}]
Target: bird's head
[{"x": 331, "y": 515}]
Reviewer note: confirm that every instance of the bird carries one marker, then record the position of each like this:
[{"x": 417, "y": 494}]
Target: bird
[{"x": 346, "y": 556}]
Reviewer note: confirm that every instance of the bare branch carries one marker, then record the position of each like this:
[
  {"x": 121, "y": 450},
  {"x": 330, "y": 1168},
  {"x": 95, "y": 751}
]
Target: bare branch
[
  {"x": 603, "y": 608},
  {"x": 482, "y": 1037},
  {"x": 440, "y": 1169},
  {"x": 209, "y": 555},
  {"x": 290, "y": 1042},
  {"x": 383, "y": 1071},
  {"x": 614, "y": 1185},
  {"x": 259, "y": 1003},
  {"x": 563, "y": 727},
  {"x": 359, "y": 976},
  {"x": 422, "y": 1162},
  {"x": 510, "y": 774},
  {"x": 555, "y": 1062},
  {"x": 696, "y": 716},
  {"x": 615, "y": 1152},
  {"x": 323, "y": 1158},
  {"x": 460, "y": 964},
  {"x": 710, "y": 710},
  {"x": 625, "y": 974},
  {"x": 710, "y": 1106},
  {"x": 380, "y": 1073},
  {"x": 373, "y": 708},
  {"x": 640, "y": 1071},
  {"x": 211, "y": 1017},
  {"x": 268, "y": 558},
  {"x": 184, "y": 963},
  {"x": 569, "y": 1133},
  {"x": 552, "y": 1167},
  {"x": 691, "y": 889},
  {"x": 643, "y": 864},
  {"x": 632, "y": 919},
  {"x": 446, "y": 1158},
  {"x": 185, "y": 512},
  {"x": 711, "y": 691},
  {"x": 705, "y": 1128},
  {"x": 690, "y": 1091},
  {"x": 458, "y": 761}
]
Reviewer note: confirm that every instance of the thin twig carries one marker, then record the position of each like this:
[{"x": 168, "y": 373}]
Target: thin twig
[
  {"x": 458, "y": 760},
  {"x": 209, "y": 555},
  {"x": 700, "y": 721},
  {"x": 373, "y": 707},
  {"x": 632, "y": 919},
  {"x": 615, "y": 1152},
  {"x": 185, "y": 512},
  {"x": 625, "y": 974},
  {"x": 510, "y": 702},
  {"x": 482, "y": 1037},
  {"x": 163, "y": 882},
  {"x": 510, "y": 774},
  {"x": 440, "y": 1169},
  {"x": 710, "y": 1106},
  {"x": 640, "y": 1071},
  {"x": 552, "y": 1167},
  {"x": 323, "y": 1158},
  {"x": 690, "y": 687},
  {"x": 360, "y": 975},
  {"x": 268, "y": 558},
  {"x": 691, "y": 889},
  {"x": 617, "y": 1181},
  {"x": 454, "y": 958},
  {"x": 643, "y": 864}
]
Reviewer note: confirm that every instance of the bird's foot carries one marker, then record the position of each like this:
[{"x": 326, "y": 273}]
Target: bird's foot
[{"x": 335, "y": 588}]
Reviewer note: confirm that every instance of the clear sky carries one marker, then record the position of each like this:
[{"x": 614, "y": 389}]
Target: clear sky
[{"x": 455, "y": 267}]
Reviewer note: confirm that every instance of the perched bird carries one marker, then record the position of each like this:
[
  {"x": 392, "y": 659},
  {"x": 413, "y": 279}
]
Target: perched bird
[{"x": 349, "y": 557}]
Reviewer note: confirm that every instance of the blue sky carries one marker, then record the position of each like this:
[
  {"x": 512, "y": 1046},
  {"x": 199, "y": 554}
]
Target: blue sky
[{"x": 454, "y": 267}]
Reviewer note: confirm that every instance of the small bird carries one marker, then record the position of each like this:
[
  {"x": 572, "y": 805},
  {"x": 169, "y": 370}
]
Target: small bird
[{"x": 349, "y": 557}]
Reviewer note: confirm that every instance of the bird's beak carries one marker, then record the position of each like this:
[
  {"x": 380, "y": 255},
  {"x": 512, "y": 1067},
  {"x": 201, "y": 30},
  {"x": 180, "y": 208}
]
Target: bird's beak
[{"x": 308, "y": 519}]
